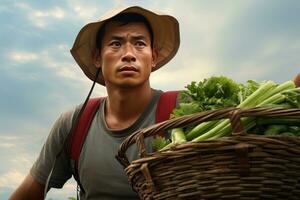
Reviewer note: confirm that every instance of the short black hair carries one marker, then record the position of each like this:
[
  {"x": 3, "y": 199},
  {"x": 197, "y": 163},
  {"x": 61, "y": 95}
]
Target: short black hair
[{"x": 124, "y": 18}]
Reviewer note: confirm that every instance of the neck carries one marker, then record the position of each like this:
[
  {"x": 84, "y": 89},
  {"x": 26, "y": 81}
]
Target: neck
[{"x": 125, "y": 105}]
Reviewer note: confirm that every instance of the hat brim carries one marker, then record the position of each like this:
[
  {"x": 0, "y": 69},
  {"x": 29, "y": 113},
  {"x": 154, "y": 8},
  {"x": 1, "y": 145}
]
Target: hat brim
[{"x": 166, "y": 39}]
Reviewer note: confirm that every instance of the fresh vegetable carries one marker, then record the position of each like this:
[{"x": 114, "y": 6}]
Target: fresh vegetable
[
  {"x": 209, "y": 94},
  {"x": 263, "y": 96},
  {"x": 220, "y": 92},
  {"x": 160, "y": 142},
  {"x": 178, "y": 136}
]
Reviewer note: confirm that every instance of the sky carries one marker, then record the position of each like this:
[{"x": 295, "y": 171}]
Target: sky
[{"x": 39, "y": 79}]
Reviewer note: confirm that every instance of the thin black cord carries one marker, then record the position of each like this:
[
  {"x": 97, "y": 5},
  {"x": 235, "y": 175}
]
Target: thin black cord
[
  {"x": 69, "y": 134},
  {"x": 78, "y": 192}
]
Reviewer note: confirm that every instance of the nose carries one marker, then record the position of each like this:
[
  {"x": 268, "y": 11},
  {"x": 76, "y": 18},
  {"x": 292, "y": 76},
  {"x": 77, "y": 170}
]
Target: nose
[{"x": 128, "y": 54}]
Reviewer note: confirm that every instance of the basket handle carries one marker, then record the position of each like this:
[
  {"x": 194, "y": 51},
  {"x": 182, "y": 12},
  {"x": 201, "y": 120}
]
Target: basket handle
[
  {"x": 234, "y": 114},
  {"x": 236, "y": 123}
]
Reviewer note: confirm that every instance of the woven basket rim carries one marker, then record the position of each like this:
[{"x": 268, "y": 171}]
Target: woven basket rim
[
  {"x": 224, "y": 141},
  {"x": 233, "y": 113}
]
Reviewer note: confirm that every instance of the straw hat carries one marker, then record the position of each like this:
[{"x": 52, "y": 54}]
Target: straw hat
[{"x": 165, "y": 38}]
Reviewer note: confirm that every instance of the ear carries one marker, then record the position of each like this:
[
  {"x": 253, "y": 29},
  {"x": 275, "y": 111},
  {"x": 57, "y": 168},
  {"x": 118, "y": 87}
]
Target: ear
[
  {"x": 97, "y": 58},
  {"x": 154, "y": 57}
]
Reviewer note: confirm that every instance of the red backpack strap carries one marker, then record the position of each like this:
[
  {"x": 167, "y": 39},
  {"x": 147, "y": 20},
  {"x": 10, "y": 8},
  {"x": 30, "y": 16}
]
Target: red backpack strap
[
  {"x": 80, "y": 132},
  {"x": 166, "y": 104}
]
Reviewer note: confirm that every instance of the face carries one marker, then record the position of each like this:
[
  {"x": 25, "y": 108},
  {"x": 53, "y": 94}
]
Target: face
[{"x": 126, "y": 57}]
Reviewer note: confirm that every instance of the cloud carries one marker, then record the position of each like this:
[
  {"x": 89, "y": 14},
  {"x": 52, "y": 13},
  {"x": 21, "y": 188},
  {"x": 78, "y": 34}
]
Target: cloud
[
  {"x": 7, "y": 145},
  {"x": 241, "y": 46},
  {"x": 181, "y": 72},
  {"x": 11, "y": 179},
  {"x": 7, "y": 142},
  {"x": 9, "y": 138},
  {"x": 206, "y": 19},
  {"x": 57, "y": 60},
  {"x": 22, "y": 56},
  {"x": 41, "y": 18},
  {"x": 55, "y": 12},
  {"x": 48, "y": 59},
  {"x": 90, "y": 11},
  {"x": 62, "y": 67},
  {"x": 197, "y": 57},
  {"x": 18, "y": 159},
  {"x": 83, "y": 10},
  {"x": 69, "y": 190}
]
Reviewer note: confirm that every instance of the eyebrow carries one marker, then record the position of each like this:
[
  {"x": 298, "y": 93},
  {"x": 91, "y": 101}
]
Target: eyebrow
[
  {"x": 139, "y": 37},
  {"x": 116, "y": 38},
  {"x": 120, "y": 38}
]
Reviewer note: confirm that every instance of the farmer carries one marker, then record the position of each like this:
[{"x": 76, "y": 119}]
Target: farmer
[{"x": 125, "y": 47}]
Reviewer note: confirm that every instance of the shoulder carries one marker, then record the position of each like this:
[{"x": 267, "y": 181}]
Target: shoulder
[
  {"x": 69, "y": 116},
  {"x": 170, "y": 96},
  {"x": 64, "y": 122}
]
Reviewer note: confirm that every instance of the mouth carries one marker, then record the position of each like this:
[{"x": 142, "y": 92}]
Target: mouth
[{"x": 128, "y": 69}]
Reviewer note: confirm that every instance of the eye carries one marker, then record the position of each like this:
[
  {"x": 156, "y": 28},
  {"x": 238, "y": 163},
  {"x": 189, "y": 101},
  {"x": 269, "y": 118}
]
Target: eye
[
  {"x": 115, "y": 44},
  {"x": 140, "y": 44}
]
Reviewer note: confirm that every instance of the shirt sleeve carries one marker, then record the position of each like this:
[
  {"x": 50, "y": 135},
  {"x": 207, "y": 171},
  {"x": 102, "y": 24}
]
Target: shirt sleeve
[{"x": 54, "y": 143}]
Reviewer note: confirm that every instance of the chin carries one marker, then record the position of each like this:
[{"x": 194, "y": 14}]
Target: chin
[
  {"x": 132, "y": 83},
  {"x": 129, "y": 85}
]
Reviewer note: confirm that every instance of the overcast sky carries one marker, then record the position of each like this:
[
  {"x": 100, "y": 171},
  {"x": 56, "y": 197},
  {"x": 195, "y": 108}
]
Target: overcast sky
[{"x": 39, "y": 79}]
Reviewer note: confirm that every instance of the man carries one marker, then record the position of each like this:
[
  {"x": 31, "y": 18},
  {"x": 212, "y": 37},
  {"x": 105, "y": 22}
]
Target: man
[{"x": 125, "y": 47}]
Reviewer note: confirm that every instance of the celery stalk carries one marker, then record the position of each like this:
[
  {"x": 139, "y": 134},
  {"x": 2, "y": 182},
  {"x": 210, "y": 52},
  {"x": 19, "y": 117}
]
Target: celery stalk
[
  {"x": 224, "y": 127},
  {"x": 248, "y": 102},
  {"x": 268, "y": 93},
  {"x": 178, "y": 136},
  {"x": 200, "y": 128},
  {"x": 282, "y": 87},
  {"x": 212, "y": 132},
  {"x": 251, "y": 100}
]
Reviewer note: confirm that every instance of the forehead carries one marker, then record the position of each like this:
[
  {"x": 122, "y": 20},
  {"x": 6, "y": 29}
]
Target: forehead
[{"x": 121, "y": 29}]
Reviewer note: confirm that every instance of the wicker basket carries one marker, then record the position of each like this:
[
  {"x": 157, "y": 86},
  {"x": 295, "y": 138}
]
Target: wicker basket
[{"x": 242, "y": 166}]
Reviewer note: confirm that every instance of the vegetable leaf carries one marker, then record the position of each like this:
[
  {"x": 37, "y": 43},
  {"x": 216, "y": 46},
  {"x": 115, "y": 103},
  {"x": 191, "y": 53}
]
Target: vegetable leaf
[{"x": 159, "y": 143}]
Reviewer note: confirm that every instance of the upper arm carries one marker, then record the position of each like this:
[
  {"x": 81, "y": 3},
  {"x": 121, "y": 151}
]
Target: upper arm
[
  {"x": 53, "y": 152},
  {"x": 33, "y": 185},
  {"x": 29, "y": 189}
]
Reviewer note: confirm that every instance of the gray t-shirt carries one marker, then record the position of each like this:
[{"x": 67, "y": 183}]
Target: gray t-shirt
[{"x": 100, "y": 174}]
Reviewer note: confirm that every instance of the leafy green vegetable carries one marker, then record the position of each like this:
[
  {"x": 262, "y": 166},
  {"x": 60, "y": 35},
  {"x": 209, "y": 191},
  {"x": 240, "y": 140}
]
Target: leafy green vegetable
[
  {"x": 275, "y": 129},
  {"x": 220, "y": 92},
  {"x": 212, "y": 93},
  {"x": 294, "y": 130},
  {"x": 264, "y": 95},
  {"x": 160, "y": 142},
  {"x": 247, "y": 89},
  {"x": 276, "y": 126},
  {"x": 186, "y": 109}
]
